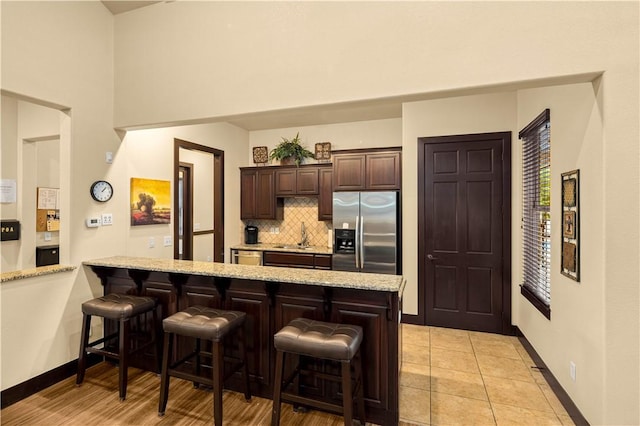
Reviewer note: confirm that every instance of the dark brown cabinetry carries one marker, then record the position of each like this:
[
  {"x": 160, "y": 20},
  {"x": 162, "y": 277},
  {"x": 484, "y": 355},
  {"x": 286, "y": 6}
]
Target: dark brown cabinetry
[
  {"x": 367, "y": 170},
  {"x": 257, "y": 198},
  {"x": 269, "y": 307},
  {"x": 296, "y": 260},
  {"x": 325, "y": 194},
  {"x": 296, "y": 181}
]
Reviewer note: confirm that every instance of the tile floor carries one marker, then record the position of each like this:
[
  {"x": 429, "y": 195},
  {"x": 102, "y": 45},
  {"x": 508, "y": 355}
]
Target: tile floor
[{"x": 464, "y": 377}]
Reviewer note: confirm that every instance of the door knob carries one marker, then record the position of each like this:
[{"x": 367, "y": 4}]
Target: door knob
[{"x": 430, "y": 257}]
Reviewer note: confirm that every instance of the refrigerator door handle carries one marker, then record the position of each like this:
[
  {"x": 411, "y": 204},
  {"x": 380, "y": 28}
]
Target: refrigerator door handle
[
  {"x": 357, "y": 244},
  {"x": 361, "y": 242}
]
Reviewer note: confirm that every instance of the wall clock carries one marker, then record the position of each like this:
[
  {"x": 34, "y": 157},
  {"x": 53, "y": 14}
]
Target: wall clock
[{"x": 101, "y": 191}]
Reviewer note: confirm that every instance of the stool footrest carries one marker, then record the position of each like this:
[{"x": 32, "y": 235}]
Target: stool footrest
[{"x": 297, "y": 399}]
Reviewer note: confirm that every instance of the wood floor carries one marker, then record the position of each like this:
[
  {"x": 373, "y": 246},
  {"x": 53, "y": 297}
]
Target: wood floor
[
  {"x": 448, "y": 377},
  {"x": 96, "y": 403}
]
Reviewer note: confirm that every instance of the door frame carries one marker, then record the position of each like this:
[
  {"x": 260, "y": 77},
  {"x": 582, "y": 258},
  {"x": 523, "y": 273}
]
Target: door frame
[
  {"x": 507, "y": 327},
  {"x": 218, "y": 193},
  {"x": 187, "y": 194}
]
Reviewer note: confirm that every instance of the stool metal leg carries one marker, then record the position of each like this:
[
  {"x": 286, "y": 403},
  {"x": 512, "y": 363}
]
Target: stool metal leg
[
  {"x": 123, "y": 351},
  {"x": 218, "y": 375},
  {"x": 164, "y": 375},
  {"x": 277, "y": 389},
  {"x": 84, "y": 342},
  {"x": 347, "y": 395}
]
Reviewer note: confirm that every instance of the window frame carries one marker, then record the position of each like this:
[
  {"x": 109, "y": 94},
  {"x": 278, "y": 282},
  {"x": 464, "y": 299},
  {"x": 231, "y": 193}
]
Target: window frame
[{"x": 534, "y": 284}]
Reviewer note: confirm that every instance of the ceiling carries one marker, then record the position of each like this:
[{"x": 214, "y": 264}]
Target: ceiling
[{"x": 122, "y": 6}]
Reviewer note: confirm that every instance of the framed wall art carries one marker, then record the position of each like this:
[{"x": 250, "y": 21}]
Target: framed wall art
[
  {"x": 150, "y": 201},
  {"x": 570, "y": 264}
]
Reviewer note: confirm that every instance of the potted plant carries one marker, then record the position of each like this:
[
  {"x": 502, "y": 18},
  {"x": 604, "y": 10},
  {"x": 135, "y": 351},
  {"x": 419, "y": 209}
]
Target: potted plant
[{"x": 290, "y": 151}]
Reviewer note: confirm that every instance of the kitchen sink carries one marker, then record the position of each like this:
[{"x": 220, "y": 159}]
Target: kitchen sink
[{"x": 292, "y": 246}]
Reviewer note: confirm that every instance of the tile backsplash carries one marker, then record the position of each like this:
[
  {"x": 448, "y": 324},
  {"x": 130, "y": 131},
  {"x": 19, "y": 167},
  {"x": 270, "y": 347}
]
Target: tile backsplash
[{"x": 296, "y": 211}]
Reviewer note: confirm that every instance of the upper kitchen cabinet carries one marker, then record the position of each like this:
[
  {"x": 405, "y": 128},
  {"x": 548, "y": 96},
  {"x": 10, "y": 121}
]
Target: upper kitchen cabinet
[
  {"x": 257, "y": 194},
  {"x": 297, "y": 181},
  {"x": 325, "y": 196},
  {"x": 367, "y": 170}
]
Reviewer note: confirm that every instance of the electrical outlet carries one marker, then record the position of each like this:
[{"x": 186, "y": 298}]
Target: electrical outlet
[
  {"x": 277, "y": 230},
  {"x": 107, "y": 219},
  {"x": 572, "y": 370},
  {"x": 152, "y": 242},
  {"x": 47, "y": 236},
  {"x": 167, "y": 240}
]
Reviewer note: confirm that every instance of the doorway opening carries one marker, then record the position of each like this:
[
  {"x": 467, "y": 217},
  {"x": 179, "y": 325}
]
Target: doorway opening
[{"x": 199, "y": 202}]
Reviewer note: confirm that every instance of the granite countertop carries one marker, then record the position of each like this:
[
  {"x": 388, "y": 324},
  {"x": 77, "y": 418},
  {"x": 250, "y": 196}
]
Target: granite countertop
[
  {"x": 34, "y": 272},
  {"x": 373, "y": 282},
  {"x": 291, "y": 248}
]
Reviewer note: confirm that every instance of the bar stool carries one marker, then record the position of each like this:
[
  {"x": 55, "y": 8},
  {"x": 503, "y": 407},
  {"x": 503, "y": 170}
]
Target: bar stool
[
  {"x": 210, "y": 324},
  {"x": 321, "y": 340},
  {"x": 121, "y": 308}
]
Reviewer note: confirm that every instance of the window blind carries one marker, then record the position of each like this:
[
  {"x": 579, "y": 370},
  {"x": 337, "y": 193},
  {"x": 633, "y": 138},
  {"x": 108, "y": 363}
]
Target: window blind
[{"x": 536, "y": 213}]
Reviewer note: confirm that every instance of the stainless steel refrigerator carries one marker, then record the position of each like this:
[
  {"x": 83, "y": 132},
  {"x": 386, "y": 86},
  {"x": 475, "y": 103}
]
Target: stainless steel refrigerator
[{"x": 365, "y": 232}]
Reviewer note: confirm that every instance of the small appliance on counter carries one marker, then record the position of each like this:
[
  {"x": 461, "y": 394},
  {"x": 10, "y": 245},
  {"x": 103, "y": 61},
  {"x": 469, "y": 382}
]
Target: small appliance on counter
[{"x": 251, "y": 234}]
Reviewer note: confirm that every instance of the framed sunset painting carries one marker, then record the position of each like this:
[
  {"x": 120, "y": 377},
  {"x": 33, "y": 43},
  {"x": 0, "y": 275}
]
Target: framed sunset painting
[{"x": 150, "y": 202}]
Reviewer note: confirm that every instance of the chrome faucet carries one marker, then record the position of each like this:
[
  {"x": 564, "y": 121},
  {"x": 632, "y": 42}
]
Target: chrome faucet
[{"x": 304, "y": 238}]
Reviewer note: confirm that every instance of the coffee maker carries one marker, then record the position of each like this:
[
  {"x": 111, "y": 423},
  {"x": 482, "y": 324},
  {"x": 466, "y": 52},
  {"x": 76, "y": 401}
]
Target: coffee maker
[{"x": 251, "y": 234}]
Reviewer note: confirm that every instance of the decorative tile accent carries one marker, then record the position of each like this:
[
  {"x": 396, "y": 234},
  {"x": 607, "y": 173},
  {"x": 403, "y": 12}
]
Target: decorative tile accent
[{"x": 296, "y": 211}]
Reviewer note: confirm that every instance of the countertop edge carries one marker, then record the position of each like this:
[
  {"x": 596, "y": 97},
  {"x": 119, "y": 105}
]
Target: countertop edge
[
  {"x": 337, "y": 279},
  {"x": 34, "y": 272}
]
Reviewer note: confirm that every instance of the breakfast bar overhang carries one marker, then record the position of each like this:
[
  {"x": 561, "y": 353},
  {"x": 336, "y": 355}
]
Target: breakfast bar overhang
[{"x": 271, "y": 297}]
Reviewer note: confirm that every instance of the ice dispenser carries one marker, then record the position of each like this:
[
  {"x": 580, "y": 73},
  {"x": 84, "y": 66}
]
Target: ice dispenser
[{"x": 345, "y": 240}]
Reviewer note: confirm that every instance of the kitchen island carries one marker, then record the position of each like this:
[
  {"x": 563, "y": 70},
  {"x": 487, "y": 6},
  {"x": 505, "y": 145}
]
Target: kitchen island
[{"x": 271, "y": 297}]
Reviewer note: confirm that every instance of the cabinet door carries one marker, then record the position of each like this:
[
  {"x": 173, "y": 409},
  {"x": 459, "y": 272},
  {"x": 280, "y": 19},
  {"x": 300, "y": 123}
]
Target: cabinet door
[
  {"x": 307, "y": 181},
  {"x": 371, "y": 315},
  {"x": 265, "y": 195},
  {"x": 383, "y": 171},
  {"x": 248, "y": 194},
  {"x": 349, "y": 172},
  {"x": 251, "y": 297},
  {"x": 322, "y": 261},
  {"x": 285, "y": 182},
  {"x": 325, "y": 194},
  {"x": 294, "y": 301}
]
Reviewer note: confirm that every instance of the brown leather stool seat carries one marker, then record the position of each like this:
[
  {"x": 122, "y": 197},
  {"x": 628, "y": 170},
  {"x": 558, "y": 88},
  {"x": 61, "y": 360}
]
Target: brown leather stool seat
[
  {"x": 121, "y": 308},
  {"x": 322, "y": 340},
  {"x": 203, "y": 323}
]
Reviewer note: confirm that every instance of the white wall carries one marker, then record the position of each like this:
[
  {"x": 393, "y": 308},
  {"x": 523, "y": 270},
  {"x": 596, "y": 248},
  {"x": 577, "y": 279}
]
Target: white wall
[
  {"x": 576, "y": 330},
  {"x": 354, "y": 135},
  {"x": 155, "y": 146},
  {"x": 60, "y": 53}
]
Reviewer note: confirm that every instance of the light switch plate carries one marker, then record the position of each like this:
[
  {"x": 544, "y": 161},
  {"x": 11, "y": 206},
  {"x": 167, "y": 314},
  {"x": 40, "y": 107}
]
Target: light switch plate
[
  {"x": 167, "y": 240},
  {"x": 107, "y": 219}
]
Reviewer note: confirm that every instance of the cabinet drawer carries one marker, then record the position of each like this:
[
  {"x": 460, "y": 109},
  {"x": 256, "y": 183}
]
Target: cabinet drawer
[
  {"x": 322, "y": 261},
  {"x": 293, "y": 260}
]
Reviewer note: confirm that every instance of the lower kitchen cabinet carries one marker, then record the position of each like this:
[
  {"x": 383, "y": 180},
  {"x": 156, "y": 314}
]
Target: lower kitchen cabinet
[
  {"x": 269, "y": 307},
  {"x": 296, "y": 260}
]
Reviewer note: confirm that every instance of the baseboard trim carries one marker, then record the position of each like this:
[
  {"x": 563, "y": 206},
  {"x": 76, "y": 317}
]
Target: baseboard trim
[
  {"x": 555, "y": 386},
  {"x": 26, "y": 389},
  {"x": 410, "y": 319}
]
